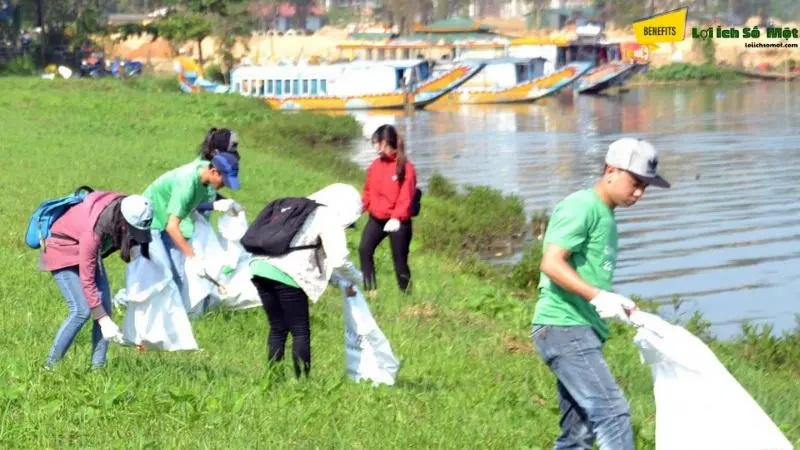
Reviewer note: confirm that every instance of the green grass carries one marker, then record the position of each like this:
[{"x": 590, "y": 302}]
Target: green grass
[
  {"x": 469, "y": 376},
  {"x": 686, "y": 72}
]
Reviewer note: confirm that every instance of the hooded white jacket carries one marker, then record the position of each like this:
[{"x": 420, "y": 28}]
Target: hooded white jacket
[{"x": 313, "y": 269}]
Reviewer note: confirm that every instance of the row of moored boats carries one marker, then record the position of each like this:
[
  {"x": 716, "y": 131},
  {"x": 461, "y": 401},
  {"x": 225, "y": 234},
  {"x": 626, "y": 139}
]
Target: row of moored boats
[{"x": 521, "y": 74}]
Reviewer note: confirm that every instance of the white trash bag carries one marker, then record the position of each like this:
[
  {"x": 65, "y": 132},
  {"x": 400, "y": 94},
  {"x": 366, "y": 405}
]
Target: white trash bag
[
  {"x": 155, "y": 318},
  {"x": 699, "y": 405},
  {"x": 229, "y": 265},
  {"x": 233, "y": 227},
  {"x": 206, "y": 246},
  {"x": 144, "y": 278},
  {"x": 242, "y": 293},
  {"x": 367, "y": 351}
]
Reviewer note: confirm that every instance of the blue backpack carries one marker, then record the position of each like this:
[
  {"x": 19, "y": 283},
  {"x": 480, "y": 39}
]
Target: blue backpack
[{"x": 48, "y": 212}]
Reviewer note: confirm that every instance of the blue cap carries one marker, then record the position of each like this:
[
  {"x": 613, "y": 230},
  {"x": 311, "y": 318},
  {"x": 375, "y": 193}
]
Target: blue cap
[{"x": 228, "y": 165}]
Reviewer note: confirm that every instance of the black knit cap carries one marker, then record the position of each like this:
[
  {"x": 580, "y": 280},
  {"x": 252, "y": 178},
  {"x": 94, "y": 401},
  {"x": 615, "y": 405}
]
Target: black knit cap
[{"x": 225, "y": 140}]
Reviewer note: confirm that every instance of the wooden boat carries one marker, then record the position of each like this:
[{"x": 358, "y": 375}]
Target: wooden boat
[
  {"x": 514, "y": 80},
  {"x": 607, "y": 75},
  {"x": 350, "y": 85},
  {"x": 588, "y": 46},
  {"x": 606, "y": 59}
]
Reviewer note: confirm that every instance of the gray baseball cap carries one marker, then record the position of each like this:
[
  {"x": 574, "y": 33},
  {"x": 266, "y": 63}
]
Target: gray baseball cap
[
  {"x": 138, "y": 212},
  {"x": 638, "y": 157}
]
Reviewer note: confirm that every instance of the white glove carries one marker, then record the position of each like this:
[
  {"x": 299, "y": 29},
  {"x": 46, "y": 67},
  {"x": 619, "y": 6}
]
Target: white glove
[
  {"x": 110, "y": 330},
  {"x": 227, "y": 205},
  {"x": 610, "y": 305},
  {"x": 392, "y": 226}
]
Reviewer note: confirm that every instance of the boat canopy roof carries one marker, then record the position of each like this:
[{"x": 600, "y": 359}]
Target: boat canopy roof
[
  {"x": 501, "y": 60},
  {"x": 319, "y": 71},
  {"x": 347, "y": 79}
]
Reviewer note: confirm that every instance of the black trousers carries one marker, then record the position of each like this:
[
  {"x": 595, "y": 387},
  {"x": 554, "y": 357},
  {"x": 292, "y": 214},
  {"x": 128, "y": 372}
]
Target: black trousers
[
  {"x": 287, "y": 312},
  {"x": 372, "y": 236}
]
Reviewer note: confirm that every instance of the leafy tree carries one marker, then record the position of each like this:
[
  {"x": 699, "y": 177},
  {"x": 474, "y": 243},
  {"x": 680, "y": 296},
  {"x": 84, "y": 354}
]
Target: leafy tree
[
  {"x": 196, "y": 20},
  {"x": 186, "y": 26},
  {"x": 236, "y": 24}
]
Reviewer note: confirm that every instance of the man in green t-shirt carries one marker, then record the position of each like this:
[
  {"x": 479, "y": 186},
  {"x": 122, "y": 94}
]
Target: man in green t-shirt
[
  {"x": 174, "y": 195},
  {"x": 575, "y": 298},
  {"x": 217, "y": 140}
]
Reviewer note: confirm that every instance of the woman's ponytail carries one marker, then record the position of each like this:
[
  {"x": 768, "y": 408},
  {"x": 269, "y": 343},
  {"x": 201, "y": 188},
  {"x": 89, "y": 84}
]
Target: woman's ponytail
[
  {"x": 207, "y": 150},
  {"x": 401, "y": 158}
]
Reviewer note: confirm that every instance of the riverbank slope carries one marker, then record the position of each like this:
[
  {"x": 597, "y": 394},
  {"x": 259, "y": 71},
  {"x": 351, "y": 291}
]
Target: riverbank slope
[{"x": 469, "y": 374}]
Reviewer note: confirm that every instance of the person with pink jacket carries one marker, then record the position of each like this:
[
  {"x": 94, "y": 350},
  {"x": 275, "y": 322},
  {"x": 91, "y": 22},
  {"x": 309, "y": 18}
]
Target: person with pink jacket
[{"x": 79, "y": 240}]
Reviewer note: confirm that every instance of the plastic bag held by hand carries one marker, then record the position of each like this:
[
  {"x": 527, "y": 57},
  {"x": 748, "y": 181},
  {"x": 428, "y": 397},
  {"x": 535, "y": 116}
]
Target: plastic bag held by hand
[
  {"x": 144, "y": 278},
  {"x": 225, "y": 205},
  {"x": 211, "y": 259},
  {"x": 232, "y": 227},
  {"x": 367, "y": 351},
  {"x": 241, "y": 292},
  {"x": 156, "y": 318},
  {"x": 699, "y": 405}
]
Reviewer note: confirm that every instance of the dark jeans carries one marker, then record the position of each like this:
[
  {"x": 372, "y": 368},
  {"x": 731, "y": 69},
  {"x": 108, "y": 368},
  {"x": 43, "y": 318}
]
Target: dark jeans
[
  {"x": 372, "y": 236},
  {"x": 287, "y": 312},
  {"x": 593, "y": 407}
]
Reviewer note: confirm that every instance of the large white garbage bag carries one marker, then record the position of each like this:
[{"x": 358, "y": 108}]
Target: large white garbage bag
[
  {"x": 156, "y": 318},
  {"x": 233, "y": 226},
  {"x": 229, "y": 265},
  {"x": 242, "y": 293},
  {"x": 143, "y": 278},
  {"x": 206, "y": 245},
  {"x": 699, "y": 405},
  {"x": 367, "y": 351}
]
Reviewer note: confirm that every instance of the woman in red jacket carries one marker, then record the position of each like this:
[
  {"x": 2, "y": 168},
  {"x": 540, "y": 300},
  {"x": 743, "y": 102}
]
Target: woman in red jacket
[{"x": 388, "y": 196}]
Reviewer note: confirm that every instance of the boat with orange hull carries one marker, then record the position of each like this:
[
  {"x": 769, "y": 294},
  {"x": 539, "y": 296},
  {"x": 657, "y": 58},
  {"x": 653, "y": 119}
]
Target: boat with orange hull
[
  {"x": 351, "y": 85},
  {"x": 610, "y": 66},
  {"x": 515, "y": 80},
  {"x": 605, "y": 76}
]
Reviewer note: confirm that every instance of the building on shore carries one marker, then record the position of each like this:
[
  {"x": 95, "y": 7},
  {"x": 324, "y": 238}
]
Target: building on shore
[
  {"x": 437, "y": 40},
  {"x": 288, "y": 16}
]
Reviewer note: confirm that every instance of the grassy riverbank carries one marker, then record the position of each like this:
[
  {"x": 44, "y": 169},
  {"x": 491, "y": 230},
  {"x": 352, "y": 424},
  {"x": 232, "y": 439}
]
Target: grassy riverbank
[
  {"x": 685, "y": 73},
  {"x": 469, "y": 374}
]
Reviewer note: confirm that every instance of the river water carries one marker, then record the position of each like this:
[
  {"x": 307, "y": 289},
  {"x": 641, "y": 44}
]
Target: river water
[{"x": 725, "y": 238}]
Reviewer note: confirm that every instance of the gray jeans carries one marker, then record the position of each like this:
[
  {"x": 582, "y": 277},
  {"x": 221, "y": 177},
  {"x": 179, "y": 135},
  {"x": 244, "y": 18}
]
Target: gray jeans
[{"x": 593, "y": 407}]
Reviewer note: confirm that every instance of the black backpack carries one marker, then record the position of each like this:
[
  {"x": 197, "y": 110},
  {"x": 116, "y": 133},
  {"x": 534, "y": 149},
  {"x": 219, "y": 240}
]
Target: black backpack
[{"x": 277, "y": 224}]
